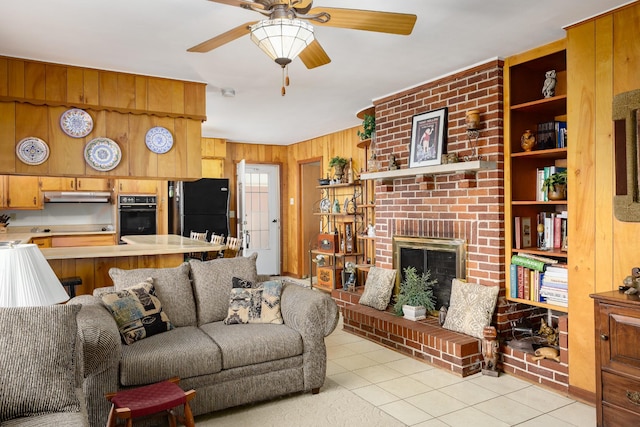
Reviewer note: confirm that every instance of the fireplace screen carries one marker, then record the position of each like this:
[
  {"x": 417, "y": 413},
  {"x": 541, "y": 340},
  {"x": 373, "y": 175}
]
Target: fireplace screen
[{"x": 445, "y": 258}]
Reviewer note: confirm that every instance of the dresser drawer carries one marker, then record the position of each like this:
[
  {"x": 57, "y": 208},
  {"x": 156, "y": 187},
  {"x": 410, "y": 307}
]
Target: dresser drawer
[{"x": 622, "y": 392}]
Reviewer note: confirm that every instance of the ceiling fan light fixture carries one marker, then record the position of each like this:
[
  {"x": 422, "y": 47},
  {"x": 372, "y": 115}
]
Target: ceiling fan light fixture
[{"x": 282, "y": 39}]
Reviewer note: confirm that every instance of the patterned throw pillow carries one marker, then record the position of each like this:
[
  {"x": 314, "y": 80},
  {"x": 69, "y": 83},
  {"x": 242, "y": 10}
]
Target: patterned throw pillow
[
  {"x": 255, "y": 305},
  {"x": 137, "y": 311},
  {"x": 378, "y": 288},
  {"x": 470, "y": 307},
  {"x": 238, "y": 282}
]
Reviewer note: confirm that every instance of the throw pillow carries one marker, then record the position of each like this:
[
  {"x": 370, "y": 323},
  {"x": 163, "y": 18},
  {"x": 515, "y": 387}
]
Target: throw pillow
[
  {"x": 172, "y": 286},
  {"x": 212, "y": 282},
  {"x": 255, "y": 305},
  {"x": 378, "y": 288},
  {"x": 470, "y": 307},
  {"x": 238, "y": 282},
  {"x": 137, "y": 311},
  {"x": 39, "y": 362}
]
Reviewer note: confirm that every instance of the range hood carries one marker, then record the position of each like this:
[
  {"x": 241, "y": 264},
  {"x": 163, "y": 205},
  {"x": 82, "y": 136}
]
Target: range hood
[{"x": 77, "y": 197}]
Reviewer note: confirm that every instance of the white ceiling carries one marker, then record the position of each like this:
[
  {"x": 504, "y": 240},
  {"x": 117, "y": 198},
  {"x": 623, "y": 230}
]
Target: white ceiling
[{"x": 151, "y": 37}]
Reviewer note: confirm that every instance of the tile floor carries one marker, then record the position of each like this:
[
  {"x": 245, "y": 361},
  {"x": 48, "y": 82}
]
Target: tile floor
[{"x": 418, "y": 394}]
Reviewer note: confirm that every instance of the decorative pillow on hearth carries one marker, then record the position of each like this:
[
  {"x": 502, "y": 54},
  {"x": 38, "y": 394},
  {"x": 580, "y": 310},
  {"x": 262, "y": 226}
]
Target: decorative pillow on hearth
[
  {"x": 255, "y": 305},
  {"x": 137, "y": 311},
  {"x": 470, "y": 308},
  {"x": 378, "y": 288}
]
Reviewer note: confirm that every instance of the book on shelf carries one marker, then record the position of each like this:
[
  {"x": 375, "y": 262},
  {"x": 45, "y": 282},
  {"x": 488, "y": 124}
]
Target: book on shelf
[
  {"x": 551, "y": 135},
  {"x": 513, "y": 282},
  {"x": 521, "y": 272},
  {"x": 544, "y": 259},
  {"x": 541, "y": 195},
  {"x": 530, "y": 263},
  {"x": 522, "y": 233}
]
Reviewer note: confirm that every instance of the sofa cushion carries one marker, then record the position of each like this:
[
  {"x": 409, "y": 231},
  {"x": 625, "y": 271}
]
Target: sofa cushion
[
  {"x": 212, "y": 281},
  {"x": 172, "y": 286},
  {"x": 255, "y": 305},
  {"x": 183, "y": 352},
  {"x": 243, "y": 345},
  {"x": 39, "y": 363},
  {"x": 137, "y": 311}
]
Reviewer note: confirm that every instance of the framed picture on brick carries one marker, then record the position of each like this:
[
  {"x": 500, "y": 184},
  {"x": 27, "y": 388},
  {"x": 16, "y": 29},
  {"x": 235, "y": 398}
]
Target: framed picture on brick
[{"x": 428, "y": 138}]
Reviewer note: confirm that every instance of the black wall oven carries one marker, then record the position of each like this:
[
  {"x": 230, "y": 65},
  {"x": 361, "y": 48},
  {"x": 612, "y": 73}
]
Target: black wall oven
[{"x": 137, "y": 215}]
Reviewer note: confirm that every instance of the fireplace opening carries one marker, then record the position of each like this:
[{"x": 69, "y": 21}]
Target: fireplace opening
[{"x": 445, "y": 258}]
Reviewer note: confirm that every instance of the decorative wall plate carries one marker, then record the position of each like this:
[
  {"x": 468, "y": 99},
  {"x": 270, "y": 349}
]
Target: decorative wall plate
[
  {"x": 32, "y": 150},
  {"x": 76, "y": 123},
  {"x": 325, "y": 205},
  {"x": 159, "y": 140},
  {"x": 102, "y": 154}
]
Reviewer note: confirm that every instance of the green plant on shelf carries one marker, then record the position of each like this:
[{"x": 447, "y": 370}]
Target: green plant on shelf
[{"x": 368, "y": 127}]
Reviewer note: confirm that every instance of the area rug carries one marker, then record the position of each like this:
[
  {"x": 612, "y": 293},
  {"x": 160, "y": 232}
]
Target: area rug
[{"x": 334, "y": 406}]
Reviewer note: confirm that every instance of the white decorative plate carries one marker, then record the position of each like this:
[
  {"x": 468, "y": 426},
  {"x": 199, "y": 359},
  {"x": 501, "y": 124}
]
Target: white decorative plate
[
  {"x": 32, "y": 150},
  {"x": 76, "y": 123},
  {"x": 102, "y": 154},
  {"x": 159, "y": 140}
]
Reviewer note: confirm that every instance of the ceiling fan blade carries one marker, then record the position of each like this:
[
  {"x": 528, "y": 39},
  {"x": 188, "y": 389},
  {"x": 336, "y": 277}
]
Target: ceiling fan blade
[
  {"x": 314, "y": 55},
  {"x": 240, "y": 3},
  {"x": 222, "y": 39},
  {"x": 368, "y": 20}
]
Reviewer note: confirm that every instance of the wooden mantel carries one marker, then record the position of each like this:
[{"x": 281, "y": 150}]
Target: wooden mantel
[{"x": 471, "y": 166}]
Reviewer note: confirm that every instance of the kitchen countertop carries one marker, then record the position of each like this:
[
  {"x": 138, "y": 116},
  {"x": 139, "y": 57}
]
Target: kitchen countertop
[
  {"x": 26, "y": 236},
  {"x": 136, "y": 246}
]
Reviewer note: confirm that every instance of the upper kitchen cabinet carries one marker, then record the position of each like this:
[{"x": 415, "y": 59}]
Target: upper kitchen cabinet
[
  {"x": 123, "y": 107},
  {"x": 22, "y": 192},
  {"x": 137, "y": 186},
  {"x": 75, "y": 184}
]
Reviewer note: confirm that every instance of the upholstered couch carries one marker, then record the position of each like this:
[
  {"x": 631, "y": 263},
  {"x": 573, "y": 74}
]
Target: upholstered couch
[
  {"x": 39, "y": 373},
  {"x": 227, "y": 364}
]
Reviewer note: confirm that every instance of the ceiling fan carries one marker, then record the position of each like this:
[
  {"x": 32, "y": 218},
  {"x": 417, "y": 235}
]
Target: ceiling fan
[{"x": 293, "y": 14}]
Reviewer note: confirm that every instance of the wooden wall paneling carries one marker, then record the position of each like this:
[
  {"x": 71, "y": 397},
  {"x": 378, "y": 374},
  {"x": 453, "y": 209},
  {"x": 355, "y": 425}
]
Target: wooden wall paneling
[
  {"x": 34, "y": 80},
  {"x": 194, "y": 161},
  {"x": 108, "y": 88},
  {"x": 194, "y": 98},
  {"x": 56, "y": 83},
  {"x": 180, "y": 149},
  {"x": 4, "y": 77},
  {"x": 581, "y": 203},
  {"x": 75, "y": 85},
  {"x": 177, "y": 97},
  {"x": 117, "y": 128},
  {"x": 141, "y": 92},
  {"x": 16, "y": 77},
  {"x": 126, "y": 91},
  {"x": 127, "y": 263},
  {"x": 64, "y": 150},
  {"x": 32, "y": 120},
  {"x": 159, "y": 94},
  {"x": 142, "y": 162},
  {"x": 8, "y": 136},
  {"x": 91, "y": 87},
  {"x": 167, "y": 161}
]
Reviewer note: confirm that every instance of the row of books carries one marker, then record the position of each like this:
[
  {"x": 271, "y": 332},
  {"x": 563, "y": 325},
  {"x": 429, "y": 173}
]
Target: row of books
[
  {"x": 554, "y": 235},
  {"x": 539, "y": 279},
  {"x": 551, "y": 135},
  {"x": 541, "y": 175}
]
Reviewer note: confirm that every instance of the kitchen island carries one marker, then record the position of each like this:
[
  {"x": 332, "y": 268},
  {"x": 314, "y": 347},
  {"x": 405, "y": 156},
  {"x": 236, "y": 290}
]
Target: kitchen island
[{"x": 92, "y": 263}]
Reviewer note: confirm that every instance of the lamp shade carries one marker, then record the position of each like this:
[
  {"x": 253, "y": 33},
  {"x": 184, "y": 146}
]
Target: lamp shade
[
  {"x": 281, "y": 38},
  {"x": 26, "y": 278}
]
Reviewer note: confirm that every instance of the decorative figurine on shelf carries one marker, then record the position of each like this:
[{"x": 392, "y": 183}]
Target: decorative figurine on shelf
[
  {"x": 549, "y": 333},
  {"x": 349, "y": 283},
  {"x": 336, "y": 206},
  {"x": 549, "y": 87},
  {"x": 490, "y": 351},
  {"x": 632, "y": 283},
  {"x": 546, "y": 353},
  {"x": 528, "y": 140},
  {"x": 393, "y": 165},
  {"x": 371, "y": 231},
  {"x": 541, "y": 243}
]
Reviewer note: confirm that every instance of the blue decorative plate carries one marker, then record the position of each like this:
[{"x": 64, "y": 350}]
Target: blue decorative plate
[
  {"x": 32, "y": 150},
  {"x": 76, "y": 123},
  {"x": 159, "y": 140},
  {"x": 102, "y": 154}
]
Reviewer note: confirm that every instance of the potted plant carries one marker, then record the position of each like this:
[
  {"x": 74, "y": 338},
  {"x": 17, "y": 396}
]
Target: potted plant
[
  {"x": 556, "y": 185},
  {"x": 368, "y": 127},
  {"x": 338, "y": 163},
  {"x": 416, "y": 295}
]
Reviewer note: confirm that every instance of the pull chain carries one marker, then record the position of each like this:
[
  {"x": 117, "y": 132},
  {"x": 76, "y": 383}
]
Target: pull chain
[{"x": 285, "y": 79}]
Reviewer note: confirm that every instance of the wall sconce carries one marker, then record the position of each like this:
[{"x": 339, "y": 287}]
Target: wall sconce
[{"x": 472, "y": 121}]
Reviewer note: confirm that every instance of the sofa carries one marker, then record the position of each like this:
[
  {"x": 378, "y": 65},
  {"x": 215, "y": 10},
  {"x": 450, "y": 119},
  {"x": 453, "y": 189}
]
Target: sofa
[
  {"x": 39, "y": 369},
  {"x": 228, "y": 362}
]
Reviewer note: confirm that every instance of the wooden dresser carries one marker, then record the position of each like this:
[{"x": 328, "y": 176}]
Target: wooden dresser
[{"x": 617, "y": 328}]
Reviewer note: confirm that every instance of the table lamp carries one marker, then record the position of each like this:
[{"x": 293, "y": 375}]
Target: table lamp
[{"x": 26, "y": 278}]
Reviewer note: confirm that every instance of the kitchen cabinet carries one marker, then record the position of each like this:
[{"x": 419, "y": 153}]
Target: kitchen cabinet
[
  {"x": 617, "y": 331},
  {"x": 22, "y": 192},
  {"x": 83, "y": 240},
  {"x": 42, "y": 242},
  {"x": 75, "y": 184},
  {"x": 137, "y": 186}
]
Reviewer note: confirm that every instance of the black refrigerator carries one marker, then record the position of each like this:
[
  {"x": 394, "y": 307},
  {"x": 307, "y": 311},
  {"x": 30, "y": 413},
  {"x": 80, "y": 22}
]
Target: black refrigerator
[{"x": 201, "y": 205}]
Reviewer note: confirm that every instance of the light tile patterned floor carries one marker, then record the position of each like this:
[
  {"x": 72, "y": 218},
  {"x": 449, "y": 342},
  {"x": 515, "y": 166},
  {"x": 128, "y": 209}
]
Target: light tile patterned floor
[{"x": 418, "y": 394}]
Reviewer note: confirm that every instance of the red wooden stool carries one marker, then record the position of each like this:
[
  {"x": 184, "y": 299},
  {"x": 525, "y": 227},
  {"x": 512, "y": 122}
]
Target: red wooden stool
[{"x": 149, "y": 400}]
